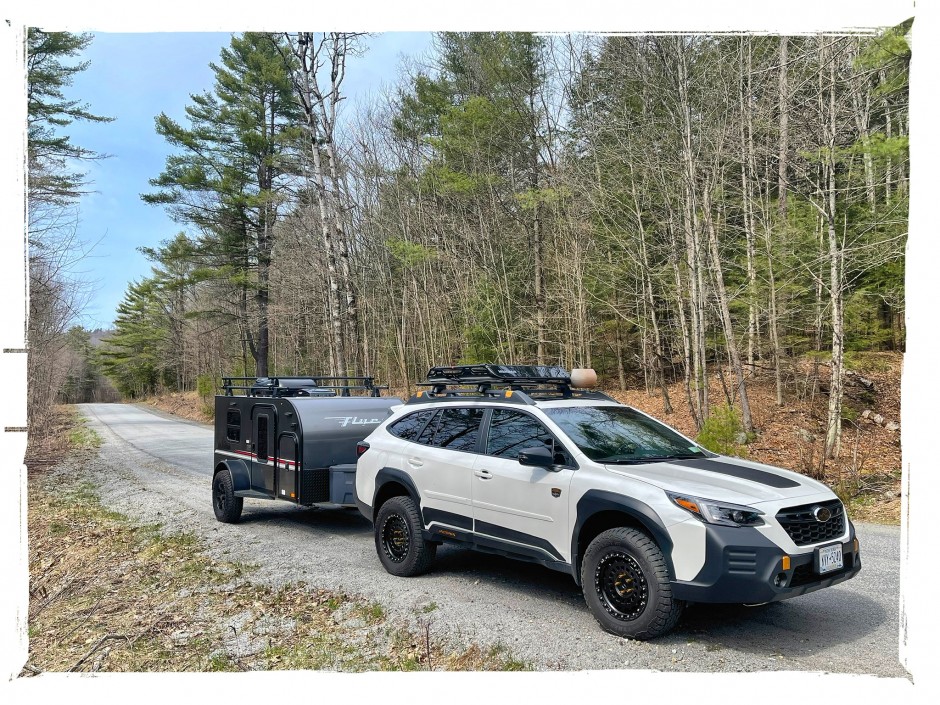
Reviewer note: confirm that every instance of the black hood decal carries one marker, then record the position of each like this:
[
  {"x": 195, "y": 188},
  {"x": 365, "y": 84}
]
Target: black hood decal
[{"x": 741, "y": 471}]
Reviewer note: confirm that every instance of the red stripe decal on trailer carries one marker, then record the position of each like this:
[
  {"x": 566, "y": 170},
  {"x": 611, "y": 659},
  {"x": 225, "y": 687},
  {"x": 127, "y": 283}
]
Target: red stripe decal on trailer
[{"x": 253, "y": 456}]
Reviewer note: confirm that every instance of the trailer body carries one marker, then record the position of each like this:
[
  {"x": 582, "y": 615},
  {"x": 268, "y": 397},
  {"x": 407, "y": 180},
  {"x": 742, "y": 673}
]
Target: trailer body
[{"x": 301, "y": 449}]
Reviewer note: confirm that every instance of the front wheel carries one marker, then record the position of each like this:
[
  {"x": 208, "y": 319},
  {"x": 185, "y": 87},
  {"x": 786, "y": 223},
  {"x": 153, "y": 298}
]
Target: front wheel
[
  {"x": 626, "y": 585},
  {"x": 227, "y": 507},
  {"x": 398, "y": 540}
]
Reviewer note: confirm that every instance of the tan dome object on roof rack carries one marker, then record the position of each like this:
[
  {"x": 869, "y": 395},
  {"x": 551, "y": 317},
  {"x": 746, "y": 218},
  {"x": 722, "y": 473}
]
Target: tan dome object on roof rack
[{"x": 583, "y": 377}]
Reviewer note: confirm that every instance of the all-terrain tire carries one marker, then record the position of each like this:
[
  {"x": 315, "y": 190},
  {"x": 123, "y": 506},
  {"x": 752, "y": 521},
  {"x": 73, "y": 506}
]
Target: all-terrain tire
[
  {"x": 626, "y": 585},
  {"x": 399, "y": 541},
  {"x": 227, "y": 507}
]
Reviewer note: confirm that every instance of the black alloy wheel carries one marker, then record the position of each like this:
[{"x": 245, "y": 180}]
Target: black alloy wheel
[
  {"x": 621, "y": 586},
  {"x": 227, "y": 507},
  {"x": 395, "y": 538},
  {"x": 626, "y": 584},
  {"x": 399, "y": 543}
]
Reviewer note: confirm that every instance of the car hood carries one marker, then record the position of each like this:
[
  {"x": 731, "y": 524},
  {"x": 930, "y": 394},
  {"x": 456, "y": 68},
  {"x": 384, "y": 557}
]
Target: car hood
[{"x": 723, "y": 478}]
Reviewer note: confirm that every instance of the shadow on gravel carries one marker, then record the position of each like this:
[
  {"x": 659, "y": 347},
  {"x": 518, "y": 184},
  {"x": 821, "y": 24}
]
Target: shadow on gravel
[
  {"x": 341, "y": 521},
  {"x": 802, "y": 627}
]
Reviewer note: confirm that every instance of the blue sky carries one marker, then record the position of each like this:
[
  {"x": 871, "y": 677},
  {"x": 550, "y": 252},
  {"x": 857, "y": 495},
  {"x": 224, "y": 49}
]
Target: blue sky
[{"x": 132, "y": 78}]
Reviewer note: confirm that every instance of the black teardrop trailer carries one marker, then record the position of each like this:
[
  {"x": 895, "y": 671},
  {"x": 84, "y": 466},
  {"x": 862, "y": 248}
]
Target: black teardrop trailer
[{"x": 291, "y": 438}]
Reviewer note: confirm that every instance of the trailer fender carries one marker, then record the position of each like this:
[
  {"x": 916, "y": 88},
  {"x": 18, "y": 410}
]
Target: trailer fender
[{"x": 238, "y": 469}]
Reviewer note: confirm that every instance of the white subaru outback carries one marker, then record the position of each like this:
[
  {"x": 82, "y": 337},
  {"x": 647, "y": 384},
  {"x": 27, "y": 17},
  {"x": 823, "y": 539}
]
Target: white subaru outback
[{"x": 512, "y": 460}]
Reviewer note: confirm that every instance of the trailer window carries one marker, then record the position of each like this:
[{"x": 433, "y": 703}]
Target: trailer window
[
  {"x": 233, "y": 425},
  {"x": 262, "y": 438}
]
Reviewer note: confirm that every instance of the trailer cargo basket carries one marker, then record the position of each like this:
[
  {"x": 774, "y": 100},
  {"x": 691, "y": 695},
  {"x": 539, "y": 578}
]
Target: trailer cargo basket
[{"x": 300, "y": 386}]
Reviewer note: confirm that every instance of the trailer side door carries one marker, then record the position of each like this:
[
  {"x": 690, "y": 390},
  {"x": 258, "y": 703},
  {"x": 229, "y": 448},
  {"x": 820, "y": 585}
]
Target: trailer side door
[{"x": 264, "y": 426}]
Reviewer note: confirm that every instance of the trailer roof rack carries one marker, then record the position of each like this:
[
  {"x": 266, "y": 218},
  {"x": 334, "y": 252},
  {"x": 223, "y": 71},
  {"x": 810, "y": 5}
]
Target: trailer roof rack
[
  {"x": 523, "y": 384},
  {"x": 303, "y": 385}
]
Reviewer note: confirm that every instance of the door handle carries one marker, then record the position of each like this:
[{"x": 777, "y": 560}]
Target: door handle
[
  {"x": 483, "y": 474},
  {"x": 415, "y": 462}
]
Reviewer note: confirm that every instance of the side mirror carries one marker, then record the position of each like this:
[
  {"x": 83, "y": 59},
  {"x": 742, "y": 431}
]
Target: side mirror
[{"x": 539, "y": 456}]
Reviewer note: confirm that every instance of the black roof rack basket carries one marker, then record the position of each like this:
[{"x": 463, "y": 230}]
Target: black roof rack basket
[{"x": 532, "y": 381}]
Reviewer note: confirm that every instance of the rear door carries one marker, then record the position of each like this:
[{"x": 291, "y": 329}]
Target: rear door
[
  {"x": 526, "y": 506},
  {"x": 264, "y": 453},
  {"x": 440, "y": 461}
]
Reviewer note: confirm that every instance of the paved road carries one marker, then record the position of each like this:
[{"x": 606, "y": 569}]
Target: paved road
[{"x": 156, "y": 467}]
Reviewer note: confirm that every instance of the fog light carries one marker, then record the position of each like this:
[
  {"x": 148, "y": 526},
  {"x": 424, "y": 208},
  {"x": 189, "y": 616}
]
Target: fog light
[{"x": 780, "y": 580}]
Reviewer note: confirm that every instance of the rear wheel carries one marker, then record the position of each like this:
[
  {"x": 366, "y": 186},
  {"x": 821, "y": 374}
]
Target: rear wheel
[
  {"x": 626, "y": 585},
  {"x": 227, "y": 507},
  {"x": 398, "y": 540}
]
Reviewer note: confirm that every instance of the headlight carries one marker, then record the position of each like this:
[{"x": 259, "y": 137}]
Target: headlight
[{"x": 722, "y": 513}]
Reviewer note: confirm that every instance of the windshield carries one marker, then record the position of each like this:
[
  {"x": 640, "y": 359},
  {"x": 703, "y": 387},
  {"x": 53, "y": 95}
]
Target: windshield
[{"x": 619, "y": 434}]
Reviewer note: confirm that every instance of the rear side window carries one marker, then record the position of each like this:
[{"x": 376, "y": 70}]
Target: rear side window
[
  {"x": 410, "y": 426},
  {"x": 458, "y": 429}
]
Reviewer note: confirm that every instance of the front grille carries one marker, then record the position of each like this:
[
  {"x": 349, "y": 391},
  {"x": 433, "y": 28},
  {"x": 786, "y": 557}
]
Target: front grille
[
  {"x": 806, "y": 573},
  {"x": 802, "y": 527}
]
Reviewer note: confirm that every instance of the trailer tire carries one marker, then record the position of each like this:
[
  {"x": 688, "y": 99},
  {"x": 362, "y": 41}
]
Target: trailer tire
[
  {"x": 626, "y": 585},
  {"x": 399, "y": 540},
  {"x": 227, "y": 507}
]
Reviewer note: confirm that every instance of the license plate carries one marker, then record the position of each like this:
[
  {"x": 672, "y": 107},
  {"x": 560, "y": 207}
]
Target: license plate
[{"x": 829, "y": 558}]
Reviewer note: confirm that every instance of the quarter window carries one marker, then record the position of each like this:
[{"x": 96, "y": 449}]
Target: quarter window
[
  {"x": 410, "y": 426},
  {"x": 428, "y": 433}
]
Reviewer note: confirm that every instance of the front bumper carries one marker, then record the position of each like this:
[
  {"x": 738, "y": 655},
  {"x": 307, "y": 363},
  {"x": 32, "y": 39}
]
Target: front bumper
[{"x": 742, "y": 566}]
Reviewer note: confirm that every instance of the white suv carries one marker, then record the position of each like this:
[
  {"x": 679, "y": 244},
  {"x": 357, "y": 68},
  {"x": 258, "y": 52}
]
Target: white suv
[{"x": 641, "y": 517}]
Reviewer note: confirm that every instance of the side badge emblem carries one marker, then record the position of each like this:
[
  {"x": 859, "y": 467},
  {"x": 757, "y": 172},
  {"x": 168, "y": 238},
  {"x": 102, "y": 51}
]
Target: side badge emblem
[{"x": 556, "y": 492}]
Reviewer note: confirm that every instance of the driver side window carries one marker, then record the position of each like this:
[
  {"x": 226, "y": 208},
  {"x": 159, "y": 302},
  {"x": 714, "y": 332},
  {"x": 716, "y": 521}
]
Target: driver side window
[{"x": 513, "y": 431}]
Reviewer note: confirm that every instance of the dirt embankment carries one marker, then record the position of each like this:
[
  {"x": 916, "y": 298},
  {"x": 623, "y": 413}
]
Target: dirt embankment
[{"x": 867, "y": 473}]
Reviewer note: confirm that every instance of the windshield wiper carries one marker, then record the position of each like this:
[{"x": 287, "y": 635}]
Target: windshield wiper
[{"x": 613, "y": 460}]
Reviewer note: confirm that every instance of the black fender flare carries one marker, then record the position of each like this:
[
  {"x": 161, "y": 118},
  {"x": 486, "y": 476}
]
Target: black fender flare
[
  {"x": 386, "y": 475},
  {"x": 238, "y": 469},
  {"x": 593, "y": 502}
]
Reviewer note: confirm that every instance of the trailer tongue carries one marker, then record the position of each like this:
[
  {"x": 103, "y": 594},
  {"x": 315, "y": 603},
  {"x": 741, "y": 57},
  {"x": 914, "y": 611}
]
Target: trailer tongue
[{"x": 291, "y": 438}]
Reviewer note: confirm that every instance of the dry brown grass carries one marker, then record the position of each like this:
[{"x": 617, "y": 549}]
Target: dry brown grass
[
  {"x": 109, "y": 595},
  {"x": 47, "y": 449},
  {"x": 867, "y": 475},
  {"x": 188, "y": 405}
]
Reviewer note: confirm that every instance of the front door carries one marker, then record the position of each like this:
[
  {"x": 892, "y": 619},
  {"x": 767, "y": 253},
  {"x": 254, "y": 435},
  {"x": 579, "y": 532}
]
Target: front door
[
  {"x": 523, "y": 505},
  {"x": 264, "y": 424}
]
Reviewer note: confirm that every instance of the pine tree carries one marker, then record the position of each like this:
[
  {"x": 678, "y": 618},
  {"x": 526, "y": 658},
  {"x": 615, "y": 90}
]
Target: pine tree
[{"x": 228, "y": 178}]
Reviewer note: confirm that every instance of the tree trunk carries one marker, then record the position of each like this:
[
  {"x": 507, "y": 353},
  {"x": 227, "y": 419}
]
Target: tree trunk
[
  {"x": 834, "y": 426},
  {"x": 730, "y": 341}
]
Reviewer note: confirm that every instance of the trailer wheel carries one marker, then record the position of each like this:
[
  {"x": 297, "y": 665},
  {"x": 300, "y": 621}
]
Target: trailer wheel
[
  {"x": 398, "y": 540},
  {"x": 626, "y": 585},
  {"x": 227, "y": 507}
]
